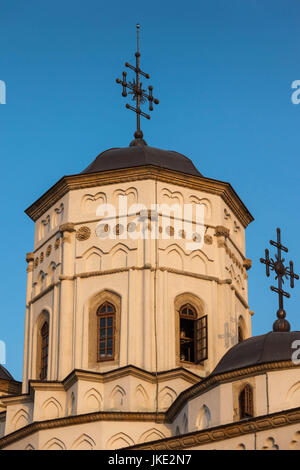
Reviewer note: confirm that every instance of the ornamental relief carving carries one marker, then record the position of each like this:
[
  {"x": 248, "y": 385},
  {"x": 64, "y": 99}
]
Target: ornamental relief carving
[
  {"x": 83, "y": 233},
  {"x": 90, "y": 202}
]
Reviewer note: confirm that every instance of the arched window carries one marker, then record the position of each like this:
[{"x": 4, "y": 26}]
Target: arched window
[
  {"x": 246, "y": 402},
  {"x": 193, "y": 335},
  {"x": 44, "y": 350},
  {"x": 106, "y": 331}
]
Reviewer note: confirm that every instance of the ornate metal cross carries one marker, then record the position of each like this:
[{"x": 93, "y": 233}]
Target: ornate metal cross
[
  {"x": 138, "y": 94},
  {"x": 281, "y": 324}
]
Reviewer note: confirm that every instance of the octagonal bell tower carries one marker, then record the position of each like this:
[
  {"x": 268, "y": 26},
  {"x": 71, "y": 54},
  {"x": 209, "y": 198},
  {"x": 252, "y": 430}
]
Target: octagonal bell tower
[{"x": 148, "y": 287}]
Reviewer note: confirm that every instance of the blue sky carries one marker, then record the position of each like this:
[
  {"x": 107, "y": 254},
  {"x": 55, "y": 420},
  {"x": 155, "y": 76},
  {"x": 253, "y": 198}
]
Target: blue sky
[{"x": 222, "y": 70}]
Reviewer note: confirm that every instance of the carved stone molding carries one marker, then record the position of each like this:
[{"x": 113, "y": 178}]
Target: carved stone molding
[
  {"x": 29, "y": 257},
  {"x": 247, "y": 263},
  {"x": 48, "y": 251},
  {"x": 225, "y": 431},
  {"x": 208, "y": 185},
  {"x": 221, "y": 231},
  {"x": 69, "y": 227}
]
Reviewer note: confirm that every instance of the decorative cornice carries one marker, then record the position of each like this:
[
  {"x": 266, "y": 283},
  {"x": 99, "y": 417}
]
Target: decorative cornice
[
  {"x": 223, "y": 432},
  {"x": 213, "y": 380},
  {"x": 79, "y": 419},
  {"x": 15, "y": 400},
  {"x": 185, "y": 441},
  {"x": 122, "y": 372},
  {"x": 107, "y": 272},
  {"x": 10, "y": 387},
  {"x": 80, "y": 181}
]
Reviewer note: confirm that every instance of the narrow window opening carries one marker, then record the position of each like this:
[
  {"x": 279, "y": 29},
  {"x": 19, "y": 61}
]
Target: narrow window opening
[
  {"x": 106, "y": 332},
  {"x": 44, "y": 350},
  {"x": 193, "y": 335},
  {"x": 246, "y": 402}
]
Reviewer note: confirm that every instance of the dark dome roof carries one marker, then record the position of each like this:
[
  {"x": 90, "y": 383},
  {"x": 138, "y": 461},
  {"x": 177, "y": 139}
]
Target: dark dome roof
[
  {"x": 4, "y": 374},
  {"x": 271, "y": 347},
  {"x": 141, "y": 155}
]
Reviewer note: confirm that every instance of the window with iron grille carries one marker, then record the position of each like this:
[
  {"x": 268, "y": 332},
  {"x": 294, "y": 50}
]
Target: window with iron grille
[
  {"x": 193, "y": 335},
  {"x": 246, "y": 402},
  {"x": 106, "y": 331},
  {"x": 44, "y": 350}
]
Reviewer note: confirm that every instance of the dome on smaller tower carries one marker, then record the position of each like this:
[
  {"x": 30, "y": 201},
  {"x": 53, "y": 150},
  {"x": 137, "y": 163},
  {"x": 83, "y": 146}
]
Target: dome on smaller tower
[
  {"x": 263, "y": 349},
  {"x": 4, "y": 374},
  {"x": 141, "y": 155}
]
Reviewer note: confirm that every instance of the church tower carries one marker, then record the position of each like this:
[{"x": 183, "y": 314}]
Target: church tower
[
  {"x": 138, "y": 329},
  {"x": 125, "y": 276}
]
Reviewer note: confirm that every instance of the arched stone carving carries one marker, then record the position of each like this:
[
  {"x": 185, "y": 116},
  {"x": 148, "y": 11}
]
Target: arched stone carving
[
  {"x": 90, "y": 202},
  {"x": 58, "y": 216},
  {"x": 172, "y": 197},
  {"x": 131, "y": 195},
  {"x": 206, "y": 205},
  {"x": 141, "y": 398},
  {"x": 117, "y": 397},
  {"x": 29, "y": 447},
  {"x": 198, "y": 264},
  {"x": 83, "y": 442},
  {"x": 152, "y": 434},
  {"x": 293, "y": 395},
  {"x": 93, "y": 262},
  {"x": 175, "y": 260},
  {"x": 270, "y": 444},
  {"x": 166, "y": 397},
  {"x": 119, "y": 440},
  {"x": 20, "y": 419},
  {"x": 51, "y": 273},
  {"x": 174, "y": 257},
  {"x": 204, "y": 418},
  {"x": 51, "y": 408},
  {"x": 54, "y": 444},
  {"x": 93, "y": 400},
  {"x": 119, "y": 259},
  {"x": 41, "y": 281}
]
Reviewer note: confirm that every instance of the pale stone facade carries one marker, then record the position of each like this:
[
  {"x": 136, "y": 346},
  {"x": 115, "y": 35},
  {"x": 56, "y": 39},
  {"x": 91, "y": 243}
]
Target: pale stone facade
[{"x": 72, "y": 270}]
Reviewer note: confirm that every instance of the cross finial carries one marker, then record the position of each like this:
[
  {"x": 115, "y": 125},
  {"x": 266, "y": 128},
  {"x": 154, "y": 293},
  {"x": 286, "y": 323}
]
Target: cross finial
[
  {"x": 138, "y": 93},
  {"x": 281, "y": 324}
]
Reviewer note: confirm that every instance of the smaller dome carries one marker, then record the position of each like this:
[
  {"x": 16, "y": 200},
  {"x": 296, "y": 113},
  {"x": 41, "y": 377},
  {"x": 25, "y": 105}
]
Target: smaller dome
[
  {"x": 271, "y": 347},
  {"x": 4, "y": 374},
  {"x": 142, "y": 155}
]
